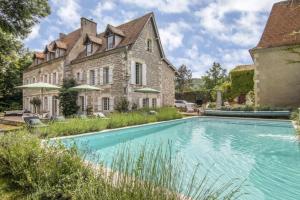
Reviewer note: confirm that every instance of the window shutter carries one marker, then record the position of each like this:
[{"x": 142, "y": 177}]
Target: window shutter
[
  {"x": 111, "y": 104},
  {"x": 98, "y": 76},
  {"x": 88, "y": 77},
  {"x": 158, "y": 102},
  {"x": 144, "y": 74},
  {"x": 110, "y": 75},
  {"x": 141, "y": 102},
  {"x": 57, "y": 81},
  {"x": 101, "y": 76},
  {"x": 49, "y": 78},
  {"x": 133, "y": 72},
  {"x": 100, "y": 104}
]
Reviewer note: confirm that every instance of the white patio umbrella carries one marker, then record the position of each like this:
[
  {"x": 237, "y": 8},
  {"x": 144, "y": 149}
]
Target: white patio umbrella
[
  {"x": 85, "y": 88},
  {"x": 40, "y": 86}
]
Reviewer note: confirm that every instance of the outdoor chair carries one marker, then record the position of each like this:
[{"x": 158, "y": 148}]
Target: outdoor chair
[
  {"x": 59, "y": 119},
  {"x": 33, "y": 122},
  {"x": 100, "y": 115}
]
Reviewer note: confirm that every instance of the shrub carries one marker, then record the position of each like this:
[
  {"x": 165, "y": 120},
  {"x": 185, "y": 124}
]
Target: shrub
[
  {"x": 68, "y": 98},
  {"x": 122, "y": 104},
  {"x": 241, "y": 82},
  {"x": 53, "y": 172}
]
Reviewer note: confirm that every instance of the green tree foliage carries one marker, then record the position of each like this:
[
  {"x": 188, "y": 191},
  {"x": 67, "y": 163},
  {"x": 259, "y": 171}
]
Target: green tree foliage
[
  {"x": 18, "y": 16},
  {"x": 122, "y": 104},
  {"x": 226, "y": 90},
  {"x": 216, "y": 75},
  {"x": 68, "y": 98},
  {"x": 16, "y": 20},
  {"x": 183, "y": 78},
  {"x": 241, "y": 82}
]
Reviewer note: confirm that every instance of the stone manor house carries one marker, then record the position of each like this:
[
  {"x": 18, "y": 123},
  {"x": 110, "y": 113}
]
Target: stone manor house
[{"x": 119, "y": 61}]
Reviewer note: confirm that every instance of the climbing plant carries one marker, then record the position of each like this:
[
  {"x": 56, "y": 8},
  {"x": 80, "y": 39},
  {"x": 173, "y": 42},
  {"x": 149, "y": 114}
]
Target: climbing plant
[{"x": 241, "y": 82}]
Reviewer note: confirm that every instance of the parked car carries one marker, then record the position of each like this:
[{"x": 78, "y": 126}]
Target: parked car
[{"x": 184, "y": 104}]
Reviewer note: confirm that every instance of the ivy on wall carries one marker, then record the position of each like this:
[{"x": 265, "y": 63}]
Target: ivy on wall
[{"x": 241, "y": 82}]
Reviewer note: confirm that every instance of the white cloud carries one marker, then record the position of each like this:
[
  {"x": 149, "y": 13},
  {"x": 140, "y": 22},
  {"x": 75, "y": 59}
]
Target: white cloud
[
  {"x": 172, "y": 36},
  {"x": 245, "y": 30},
  {"x": 166, "y": 6},
  {"x": 68, "y": 12},
  {"x": 34, "y": 33},
  {"x": 103, "y": 16}
]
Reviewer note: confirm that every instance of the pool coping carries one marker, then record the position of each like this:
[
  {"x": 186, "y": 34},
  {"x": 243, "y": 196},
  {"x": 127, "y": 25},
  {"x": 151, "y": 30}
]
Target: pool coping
[
  {"x": 161, "y": 122},
  {"x": 121, "y": 128}
]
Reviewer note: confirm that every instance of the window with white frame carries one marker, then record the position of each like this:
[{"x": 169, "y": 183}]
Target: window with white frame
[
  {"x": 45, "y": 78},
  {"x": 78, "y": 76},
  {"x": 48, "y": 56},
  {"x": 149, "y": 45},
  {"x": 105, "y": 103},
  {"x": 110, "y": 42},
  {"x": 154, "y": 103},
  {"x": 57, "y": 53},
  {"x": 45, "y": 103},
  {"x": 92, "y": 77},
  {"x": 89, "y": 48},
  {"x": 106, "y": 75},
  {"x": 138, "y": 73},
  {"x": 145, "y": 102},
  {"x": 54, "y": 78}
]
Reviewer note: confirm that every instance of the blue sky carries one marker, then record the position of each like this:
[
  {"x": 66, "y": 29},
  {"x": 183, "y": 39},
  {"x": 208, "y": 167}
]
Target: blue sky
[{"x": 193, "y": 32}]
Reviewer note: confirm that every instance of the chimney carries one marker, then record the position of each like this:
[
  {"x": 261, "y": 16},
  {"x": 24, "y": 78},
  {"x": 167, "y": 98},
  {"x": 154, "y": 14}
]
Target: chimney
[
  {"x": 62, "y": 35},
  {"x": 88, "y": 26}
]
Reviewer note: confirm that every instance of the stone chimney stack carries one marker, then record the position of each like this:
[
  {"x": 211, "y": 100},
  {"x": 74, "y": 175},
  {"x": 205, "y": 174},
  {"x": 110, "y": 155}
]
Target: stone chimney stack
[{"x": 88, "y": 26}]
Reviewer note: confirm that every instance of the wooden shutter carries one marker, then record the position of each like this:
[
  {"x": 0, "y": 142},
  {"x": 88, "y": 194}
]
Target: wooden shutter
[
  {"x": 140, "y": 102},
  {"x": 101, "y": 76},
  {"x": 111, "y": 103},
  {"x": 144, "y": 74},
  {"x": 100, "y": 104},
  {"x": 110, "y": 75},
  {"x": 158, "y": 102},
  {"x": 133, "y": 74}
]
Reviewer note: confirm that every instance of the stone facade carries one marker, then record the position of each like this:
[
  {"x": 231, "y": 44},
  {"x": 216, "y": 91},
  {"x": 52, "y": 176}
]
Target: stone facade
[
  {"x": 114, "y": 71},
  {"x": 276, "y": 79}
]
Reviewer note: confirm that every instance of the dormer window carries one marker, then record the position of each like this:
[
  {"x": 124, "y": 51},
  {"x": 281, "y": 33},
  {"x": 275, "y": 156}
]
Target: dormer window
[
  {"x": 48, "y": 56},
  {"x": 110, "y": 42},
  {"x": 149, "y": 45},
  {"x": 57, "y": 54},
  {"x": 89, "y": 48}
]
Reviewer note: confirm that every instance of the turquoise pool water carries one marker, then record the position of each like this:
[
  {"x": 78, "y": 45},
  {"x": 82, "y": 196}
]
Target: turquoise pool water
[{"x": 264, "y": 153}]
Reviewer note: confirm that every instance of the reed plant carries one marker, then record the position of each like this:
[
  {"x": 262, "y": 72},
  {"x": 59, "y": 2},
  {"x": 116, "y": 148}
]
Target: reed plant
[
  {"x": 75, "y": 126},
  {"x": 54, "y": 172}
]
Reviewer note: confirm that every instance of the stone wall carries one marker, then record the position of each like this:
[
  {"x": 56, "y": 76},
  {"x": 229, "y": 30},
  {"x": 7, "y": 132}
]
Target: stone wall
[
  {"x": 159, "y": 75},
  {"x": 276, "y": 79},
  {"x": 112, "y": 90}
]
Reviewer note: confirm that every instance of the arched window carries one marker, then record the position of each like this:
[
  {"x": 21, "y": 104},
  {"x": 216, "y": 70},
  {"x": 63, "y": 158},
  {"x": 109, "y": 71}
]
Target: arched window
[{"x": 149, "y": 45}]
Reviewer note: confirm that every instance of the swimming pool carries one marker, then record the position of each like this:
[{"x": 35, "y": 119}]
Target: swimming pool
[{"x": 265, "y": 153}]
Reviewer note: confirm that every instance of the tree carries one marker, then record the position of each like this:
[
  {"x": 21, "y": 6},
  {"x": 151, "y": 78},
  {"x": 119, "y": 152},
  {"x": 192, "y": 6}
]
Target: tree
[
  {"x": 16, "y": 20},
  {"x": 183, "y": 78},
  {"x": 18, "y": 16},
  {"x": 68, "y": 98},
  {"x": 216, "y": 75}
]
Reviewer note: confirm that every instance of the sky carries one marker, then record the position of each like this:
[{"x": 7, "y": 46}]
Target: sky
[{"x": 193, "y": 32}]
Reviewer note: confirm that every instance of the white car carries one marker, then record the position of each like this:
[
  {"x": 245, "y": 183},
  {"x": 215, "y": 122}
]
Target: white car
[{"x": 184, "y": 104}]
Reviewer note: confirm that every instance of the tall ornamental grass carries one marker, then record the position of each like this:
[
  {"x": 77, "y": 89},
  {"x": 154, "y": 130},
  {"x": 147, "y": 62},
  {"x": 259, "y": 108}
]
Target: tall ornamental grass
[
  {"x": 53, "y": 172},
  {"x": 115, "y": 120}
]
